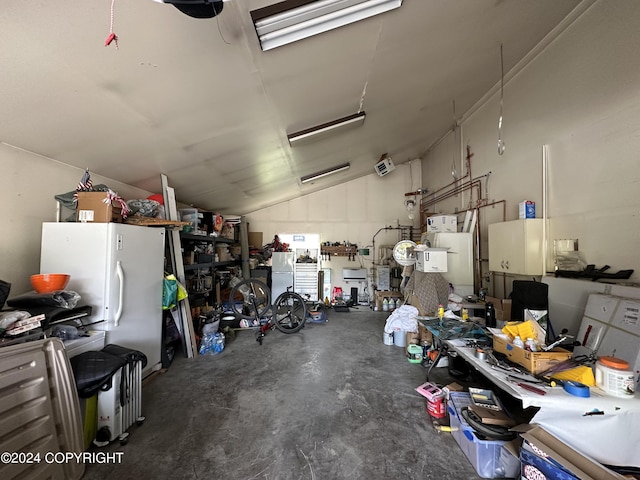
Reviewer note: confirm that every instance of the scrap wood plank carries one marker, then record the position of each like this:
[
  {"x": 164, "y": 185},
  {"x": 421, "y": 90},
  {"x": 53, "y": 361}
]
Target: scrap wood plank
[
  {"x": 184, "y": 309},
  {"x": 154, "y": 222}
]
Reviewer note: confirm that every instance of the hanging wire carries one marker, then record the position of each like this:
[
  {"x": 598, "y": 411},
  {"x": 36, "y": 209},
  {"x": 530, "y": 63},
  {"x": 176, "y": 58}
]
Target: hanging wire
[
  {"x": 501, "y": 145},
  {"x": 112, "y": 36},
  {"x": 219, "y": 29},
  {"x": 454, "y": 171}
]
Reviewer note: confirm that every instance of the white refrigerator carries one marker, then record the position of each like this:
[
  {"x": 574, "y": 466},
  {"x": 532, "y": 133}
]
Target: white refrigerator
[
  {"x": 282, "y": 264},
  {"x": 118, "y": 269}
]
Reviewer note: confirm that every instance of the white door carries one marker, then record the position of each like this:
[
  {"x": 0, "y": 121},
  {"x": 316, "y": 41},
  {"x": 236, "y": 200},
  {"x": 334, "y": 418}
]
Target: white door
[{"x": 136, "y": 258}]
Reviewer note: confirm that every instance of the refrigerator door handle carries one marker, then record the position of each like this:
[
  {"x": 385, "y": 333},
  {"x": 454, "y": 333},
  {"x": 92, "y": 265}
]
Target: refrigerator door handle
[{"x": 120, "y": 276}]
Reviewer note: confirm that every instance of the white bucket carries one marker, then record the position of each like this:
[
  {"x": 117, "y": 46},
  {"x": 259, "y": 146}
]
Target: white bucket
[
  {"x": 387, "y": 338},
  {"x": 614, "y": 377},
  {"x": 400, "y": 338}
]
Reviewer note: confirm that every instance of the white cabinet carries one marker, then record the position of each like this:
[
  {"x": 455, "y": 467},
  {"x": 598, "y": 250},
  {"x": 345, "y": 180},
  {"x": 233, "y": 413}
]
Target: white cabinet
[{"x": 516, "y": 247}]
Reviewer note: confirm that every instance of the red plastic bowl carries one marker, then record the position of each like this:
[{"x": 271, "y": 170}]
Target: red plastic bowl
[{"x": 49, "y": 282}]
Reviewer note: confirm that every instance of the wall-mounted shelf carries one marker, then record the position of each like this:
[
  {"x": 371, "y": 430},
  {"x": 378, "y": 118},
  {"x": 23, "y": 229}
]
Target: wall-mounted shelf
[{"x": 338, "y": 251}]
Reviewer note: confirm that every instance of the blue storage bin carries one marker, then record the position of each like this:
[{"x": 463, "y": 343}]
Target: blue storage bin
[{"x": 488, "y": 457}]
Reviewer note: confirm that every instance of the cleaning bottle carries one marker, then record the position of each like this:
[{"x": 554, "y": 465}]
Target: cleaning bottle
[
  {"x": 530, "y": 345},
  {"x": 385, "y": 304},
  {"x": 517, "y": 342}
]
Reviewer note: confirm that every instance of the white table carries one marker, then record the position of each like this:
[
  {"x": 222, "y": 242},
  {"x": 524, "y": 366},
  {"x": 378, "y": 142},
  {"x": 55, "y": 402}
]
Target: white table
[{"x": 611, "y": 437}]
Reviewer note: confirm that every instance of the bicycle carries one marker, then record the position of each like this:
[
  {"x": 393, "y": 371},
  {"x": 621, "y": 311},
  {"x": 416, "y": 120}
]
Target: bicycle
[{"x": 288, "y": 312}]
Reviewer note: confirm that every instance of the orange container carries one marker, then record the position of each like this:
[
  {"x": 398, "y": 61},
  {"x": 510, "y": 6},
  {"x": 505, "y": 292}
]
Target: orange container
[{"x": 49, "y": 282}]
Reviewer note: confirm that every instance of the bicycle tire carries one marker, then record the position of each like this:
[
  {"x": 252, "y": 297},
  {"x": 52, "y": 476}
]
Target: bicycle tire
[
  {"x": 289, "y": 312},
  {"x": 250, "y": 299}
]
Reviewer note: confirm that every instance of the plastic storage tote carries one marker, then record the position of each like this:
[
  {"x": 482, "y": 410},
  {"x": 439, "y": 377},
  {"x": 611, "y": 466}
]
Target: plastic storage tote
[{"x": 488, "y": 457}]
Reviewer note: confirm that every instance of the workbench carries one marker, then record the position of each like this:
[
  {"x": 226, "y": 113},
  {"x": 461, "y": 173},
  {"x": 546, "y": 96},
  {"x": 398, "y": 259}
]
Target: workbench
[{"x": 601, "y": 426}]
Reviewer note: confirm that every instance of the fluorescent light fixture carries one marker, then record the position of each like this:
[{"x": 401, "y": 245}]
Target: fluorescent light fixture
[
  {"x": 324, "y": 173},
  {"x": 293, "y": 20},
  {"x": 329, "y": 128}
]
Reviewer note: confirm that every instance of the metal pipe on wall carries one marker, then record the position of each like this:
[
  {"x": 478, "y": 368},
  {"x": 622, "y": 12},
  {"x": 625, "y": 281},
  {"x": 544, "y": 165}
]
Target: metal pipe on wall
[{"x": 545, "y": 242}]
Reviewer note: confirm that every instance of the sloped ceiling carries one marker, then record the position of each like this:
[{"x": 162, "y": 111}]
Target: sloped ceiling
[{"x": 198, "y": 100}]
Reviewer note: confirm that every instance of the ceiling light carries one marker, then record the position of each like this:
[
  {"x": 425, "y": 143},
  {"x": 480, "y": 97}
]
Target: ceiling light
[
  {"x": 329, "y": 128},
  {"x": 293, "y": 20},
  {"x": 324, "y": 173}
]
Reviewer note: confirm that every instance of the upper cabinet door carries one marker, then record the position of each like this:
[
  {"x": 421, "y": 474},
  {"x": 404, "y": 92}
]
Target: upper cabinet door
[{"x": 515, "y": 247}]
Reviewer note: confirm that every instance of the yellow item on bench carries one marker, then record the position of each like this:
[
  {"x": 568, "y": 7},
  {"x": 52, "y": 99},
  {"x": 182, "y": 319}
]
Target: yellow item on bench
[
  {"x": 528, "y": 329},
  {"x": 582, "y": 374}
]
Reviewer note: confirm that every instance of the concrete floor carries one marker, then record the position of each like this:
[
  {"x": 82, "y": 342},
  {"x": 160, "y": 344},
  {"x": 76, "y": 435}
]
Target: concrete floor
[{"x": 330, "y": 402}]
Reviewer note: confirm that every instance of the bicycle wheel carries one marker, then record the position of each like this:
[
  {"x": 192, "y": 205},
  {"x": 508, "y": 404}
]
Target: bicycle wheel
[
  {"x": 289, "y": 312},
  {"x": 250, "y": 298}
]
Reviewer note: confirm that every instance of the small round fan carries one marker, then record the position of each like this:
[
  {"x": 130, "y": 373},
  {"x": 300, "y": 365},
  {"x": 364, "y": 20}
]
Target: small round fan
[{"x": 404, "y": 252}]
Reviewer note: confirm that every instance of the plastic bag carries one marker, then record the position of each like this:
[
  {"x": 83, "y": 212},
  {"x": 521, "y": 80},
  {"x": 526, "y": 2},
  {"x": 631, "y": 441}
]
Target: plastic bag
[
  {"x": 65, "y": 332},
  {"x": 212, "y": 343},
  {"x": 172, "y": 292},
  {"x": 169, "y": 292},
  {"x": 7, "y": 319}
]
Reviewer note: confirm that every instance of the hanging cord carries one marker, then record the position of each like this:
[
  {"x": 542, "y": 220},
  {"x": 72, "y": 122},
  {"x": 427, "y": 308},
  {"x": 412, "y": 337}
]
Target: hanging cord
[
  {"x": 454, "y": 172},
  {"x": 112, "y": 36},
  {"x": 501, "y": 145}
]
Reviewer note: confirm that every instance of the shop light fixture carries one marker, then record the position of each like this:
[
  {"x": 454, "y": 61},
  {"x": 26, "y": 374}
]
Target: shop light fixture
[
  {"x": 326, "y": 129},
  {"x": 293, "y": 20},
  {"x": 324, "y": 173}
]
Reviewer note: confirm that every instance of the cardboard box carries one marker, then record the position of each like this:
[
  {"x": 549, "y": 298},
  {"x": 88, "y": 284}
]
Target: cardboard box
[
  {"x": 425, "y": 335},
  {"x": 228, "y": 231},
  {"x": 413, "y": 338},
  {"x": 223, "y": 254},
  {"x": 452, "y": 387},
  {"x": 255, "y": 239},
  {"x": 544, "y": 456},
  {"x": 93, "y": 209},
  {"x": 502, "y": 308},
  {"x": 381, "y": 294},
  {"x": 189, "y": 258},
  {"x": 431, "y": 260},
  {"x": 527, "y": 209},
  {"x": 442, "y": 223},
  {"x": 535, "y": 362}
]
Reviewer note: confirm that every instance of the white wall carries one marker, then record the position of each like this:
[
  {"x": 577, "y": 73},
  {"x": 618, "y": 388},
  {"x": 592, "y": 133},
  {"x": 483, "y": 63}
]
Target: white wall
[
  {"x": 581, "y": 97},
  {"x": 28, "y": 185},
  {"x": 353, "y": 212}
]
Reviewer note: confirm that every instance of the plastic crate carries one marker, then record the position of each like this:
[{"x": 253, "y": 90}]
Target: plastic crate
[{"x": 488, "y": 457}]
